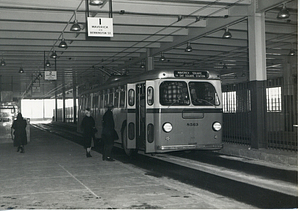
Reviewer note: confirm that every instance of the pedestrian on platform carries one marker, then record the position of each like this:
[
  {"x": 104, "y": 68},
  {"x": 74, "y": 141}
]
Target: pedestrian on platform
[
  {"x": 18, "y": 133},
  {"x": 88, "y": 127},
  {"x": 108, "y": 133}
]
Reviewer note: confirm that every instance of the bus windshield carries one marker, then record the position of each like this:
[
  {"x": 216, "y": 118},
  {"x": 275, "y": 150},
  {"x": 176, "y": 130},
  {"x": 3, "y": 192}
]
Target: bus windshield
[
  {"x": 203, "y": 94},
  {"x": 178, "y": 93}
]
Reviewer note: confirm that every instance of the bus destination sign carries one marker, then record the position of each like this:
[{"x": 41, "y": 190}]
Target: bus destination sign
[{"x": 191, "y": 74}]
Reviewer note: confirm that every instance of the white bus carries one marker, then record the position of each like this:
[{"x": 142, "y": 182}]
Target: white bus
[{"x": 160, "y": 111}]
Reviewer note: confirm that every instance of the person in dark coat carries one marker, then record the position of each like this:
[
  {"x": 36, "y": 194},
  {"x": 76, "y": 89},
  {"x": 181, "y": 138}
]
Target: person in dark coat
[
  {"x": 18, "y": 132},
  {"x": 88, "y": 127},
  {"x": 108, "y": 129}
]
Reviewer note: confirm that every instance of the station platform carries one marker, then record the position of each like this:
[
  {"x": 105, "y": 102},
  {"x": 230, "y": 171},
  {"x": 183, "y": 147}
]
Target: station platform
[
  {"x": 54, "y": 173},
  {"x": 268, "y": 156}
]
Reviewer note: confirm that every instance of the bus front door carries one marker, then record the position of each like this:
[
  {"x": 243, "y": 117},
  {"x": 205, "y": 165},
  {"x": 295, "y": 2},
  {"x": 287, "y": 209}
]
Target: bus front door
[
  {"x": 129, "y": 142},
  {"x": 140, "y": 116},
  {"x": 150, "y": 117}
]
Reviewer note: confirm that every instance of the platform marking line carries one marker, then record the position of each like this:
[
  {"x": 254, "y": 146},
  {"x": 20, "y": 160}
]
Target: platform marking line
[{"x": 97, "y": 197}]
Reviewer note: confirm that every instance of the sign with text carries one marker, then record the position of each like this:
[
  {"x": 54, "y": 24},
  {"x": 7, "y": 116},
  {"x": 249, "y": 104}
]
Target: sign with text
[
  {"x": 51, "y": 75},
  {"x": 100, "y": 27},
  {"x": 190, "y": 74},
  {"x": 36, "y": 89}
]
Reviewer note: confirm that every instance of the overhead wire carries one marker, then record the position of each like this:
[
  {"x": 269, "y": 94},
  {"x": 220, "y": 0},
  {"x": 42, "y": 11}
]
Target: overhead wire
[
  {"x": 151, "y": 42},
  {"x": 156, "y": 33},
  {"x": 61, "y": 34}
]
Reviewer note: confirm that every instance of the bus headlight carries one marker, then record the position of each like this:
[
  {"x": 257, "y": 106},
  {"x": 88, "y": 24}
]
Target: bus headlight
[
  {"x": 216, "y": 126},
  {"x": 167, "y": 127}
]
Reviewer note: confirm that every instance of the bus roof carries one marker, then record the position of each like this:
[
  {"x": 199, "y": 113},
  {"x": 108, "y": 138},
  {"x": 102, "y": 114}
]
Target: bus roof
[{"x": 159, "y": 74}]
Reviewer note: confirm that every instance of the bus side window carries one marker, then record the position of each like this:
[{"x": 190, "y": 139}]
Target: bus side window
[
  {"x": 122, "y": 97},
  {"x": 95, "y": 102},
  {"x": 131, "y": 95},
  {"x": 150, "y": 95},
  {"x": 86, "y": 102},
  {"x": 99, "y": 100},
  {"x": 90, "y": 105},
  {"x": 111, "y": 97},
  {"x": 105, "y": 98},
  {"x": 102, "y": 99},
  {"x": 116, "y": 98}
]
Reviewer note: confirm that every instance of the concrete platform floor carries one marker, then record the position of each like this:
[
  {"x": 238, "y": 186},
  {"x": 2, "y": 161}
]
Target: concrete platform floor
[{"x": 54, "y": 173}]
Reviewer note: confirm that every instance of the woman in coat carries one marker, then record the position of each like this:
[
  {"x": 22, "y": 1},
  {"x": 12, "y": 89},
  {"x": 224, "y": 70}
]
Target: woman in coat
[
  {"x": 88, "y": 126},
  {"x": 108, "y": 133},
  {"x": 19, "y": 133}
]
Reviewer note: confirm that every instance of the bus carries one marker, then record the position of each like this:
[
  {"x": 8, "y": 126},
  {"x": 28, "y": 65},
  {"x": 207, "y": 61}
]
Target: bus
[{"x": 160, "y": 111}]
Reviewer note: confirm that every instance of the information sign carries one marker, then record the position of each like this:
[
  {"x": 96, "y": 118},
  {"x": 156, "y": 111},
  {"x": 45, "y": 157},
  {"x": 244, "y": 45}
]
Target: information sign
[
  {"x": 100, "y": 27},
  {"x": 50, "y": 75},
  {"x": 191, "y": 74}
]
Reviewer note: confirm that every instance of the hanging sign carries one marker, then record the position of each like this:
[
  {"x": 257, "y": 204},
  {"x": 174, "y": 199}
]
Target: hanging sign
[
  {"x": 50, "y": 75},
  {"x": 36, "y": 89},
  {"x": 100, "y": 27}
]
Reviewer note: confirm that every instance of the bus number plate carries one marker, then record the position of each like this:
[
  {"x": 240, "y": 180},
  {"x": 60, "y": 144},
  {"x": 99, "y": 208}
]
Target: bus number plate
[{"x": 192, "y": 124}]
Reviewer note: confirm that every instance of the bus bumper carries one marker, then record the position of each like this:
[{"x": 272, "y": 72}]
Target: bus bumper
[{"x": 189, "y": 147}]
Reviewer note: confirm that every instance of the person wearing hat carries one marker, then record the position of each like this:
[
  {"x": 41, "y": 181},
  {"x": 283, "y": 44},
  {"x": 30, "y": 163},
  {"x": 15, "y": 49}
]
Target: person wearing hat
[
  {"x": 108, "y": 130},
  {"x": 88, "y": 126},
  {"x": 18, "y": 131}
]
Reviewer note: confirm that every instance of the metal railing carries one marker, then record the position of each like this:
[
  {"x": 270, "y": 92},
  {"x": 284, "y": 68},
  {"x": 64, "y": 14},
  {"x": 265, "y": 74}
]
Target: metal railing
[
  {"x": 281, "y": 114},
  {"x": 236, "y": 121}
]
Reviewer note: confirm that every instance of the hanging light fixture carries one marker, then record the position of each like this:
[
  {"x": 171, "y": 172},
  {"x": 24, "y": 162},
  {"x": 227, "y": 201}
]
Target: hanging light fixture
[
  {"x": 283, "y": 13},
  {"x": 162, "y": 57},
  {"x": 48, "y": 63},
  {"x": 21, "y": 70},
  {"x": 142, "y": 65},
  {"x": 53, "y": 55},
  {"x": 227, "y": 34},
  {"x": 96, "y": 2},
  {"x": 75, "y": 26},
  {"x": 63, "y": 43},
  {"x": 2, "y": 61},
  {"x": 292, "y": 51},
  {"x": 188, "y": 47}
]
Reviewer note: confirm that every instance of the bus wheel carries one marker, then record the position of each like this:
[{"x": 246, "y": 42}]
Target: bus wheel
[{"x": 124, "y": 143}]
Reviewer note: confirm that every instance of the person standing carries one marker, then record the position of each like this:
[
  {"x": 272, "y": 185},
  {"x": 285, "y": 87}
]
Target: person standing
[
  {"x": 108, "y": 130},
  {"x": 88, "y": 127},
  {"x": 18, "y": 132}
]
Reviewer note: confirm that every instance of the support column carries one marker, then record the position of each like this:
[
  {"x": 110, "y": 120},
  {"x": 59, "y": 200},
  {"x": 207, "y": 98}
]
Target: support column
[
  {"x": 55, "y": 103},
  {"x": 56, "y": 112},
  {"x": 257, "y": 76},
  {"x": 74, "y": 99},
  {"x": 149, "y": 60},
  {"x": 63, "y": 98}
]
